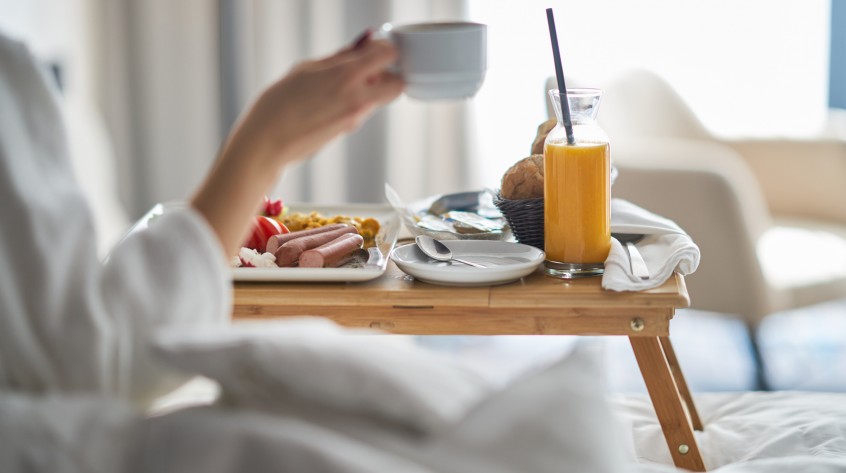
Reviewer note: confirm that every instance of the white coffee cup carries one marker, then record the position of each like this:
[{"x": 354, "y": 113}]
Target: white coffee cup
[{"x": 439, "y": 61}]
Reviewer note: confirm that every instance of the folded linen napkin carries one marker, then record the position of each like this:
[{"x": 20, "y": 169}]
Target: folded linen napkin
[{"x": 665, "y": 248}]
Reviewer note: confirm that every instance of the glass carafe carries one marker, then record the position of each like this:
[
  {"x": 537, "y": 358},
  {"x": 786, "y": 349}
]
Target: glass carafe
[{"x": 577, "y": 190}]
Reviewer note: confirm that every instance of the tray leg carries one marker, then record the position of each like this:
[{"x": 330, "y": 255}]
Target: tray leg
[
  {"x": 668, "y": 401},
  {"x": 675, "y": 369}
]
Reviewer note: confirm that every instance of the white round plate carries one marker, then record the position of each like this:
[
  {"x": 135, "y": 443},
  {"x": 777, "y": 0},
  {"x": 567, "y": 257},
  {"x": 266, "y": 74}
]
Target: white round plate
[{"x": 505, "y": 262}]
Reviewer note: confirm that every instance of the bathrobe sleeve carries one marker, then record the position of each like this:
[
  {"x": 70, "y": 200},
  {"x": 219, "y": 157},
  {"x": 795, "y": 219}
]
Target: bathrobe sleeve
[{"x": 68, "y": 322}]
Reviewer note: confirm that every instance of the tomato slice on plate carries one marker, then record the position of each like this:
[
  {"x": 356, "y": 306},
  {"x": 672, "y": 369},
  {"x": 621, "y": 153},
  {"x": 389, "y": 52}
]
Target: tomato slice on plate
[{"x": 263, "y": 229}]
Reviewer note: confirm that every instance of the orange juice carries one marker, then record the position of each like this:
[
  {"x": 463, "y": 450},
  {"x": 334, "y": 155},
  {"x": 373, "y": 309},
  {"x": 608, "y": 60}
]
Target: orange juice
[{"x": 577, "y": 202}]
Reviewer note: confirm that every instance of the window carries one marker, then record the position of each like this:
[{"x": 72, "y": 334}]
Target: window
[{"x": 752, "y": 68}]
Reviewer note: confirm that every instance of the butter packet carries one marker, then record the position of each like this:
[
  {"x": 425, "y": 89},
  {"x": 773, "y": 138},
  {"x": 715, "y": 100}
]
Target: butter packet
[{"x": 472, "y": 223}]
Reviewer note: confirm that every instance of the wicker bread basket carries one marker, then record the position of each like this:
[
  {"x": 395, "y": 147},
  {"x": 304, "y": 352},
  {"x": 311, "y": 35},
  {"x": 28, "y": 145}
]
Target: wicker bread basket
[{"x": 525, "y": 217}]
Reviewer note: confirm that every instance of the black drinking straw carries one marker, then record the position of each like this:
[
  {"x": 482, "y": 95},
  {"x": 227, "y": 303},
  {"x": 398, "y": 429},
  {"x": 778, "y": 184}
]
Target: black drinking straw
[{"x": 559, "y": 73}]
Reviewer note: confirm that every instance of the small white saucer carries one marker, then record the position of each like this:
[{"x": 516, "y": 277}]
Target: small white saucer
[{"x": 505, "y": 261}]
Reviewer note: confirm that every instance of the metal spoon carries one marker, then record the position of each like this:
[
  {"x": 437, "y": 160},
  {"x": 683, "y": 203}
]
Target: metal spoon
[
  {"x": 639, "y": 269},
  {"x": 438, "y": 251}
]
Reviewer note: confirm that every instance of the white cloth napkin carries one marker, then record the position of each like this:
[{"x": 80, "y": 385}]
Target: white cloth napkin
[{"x": 665, "y": 248}]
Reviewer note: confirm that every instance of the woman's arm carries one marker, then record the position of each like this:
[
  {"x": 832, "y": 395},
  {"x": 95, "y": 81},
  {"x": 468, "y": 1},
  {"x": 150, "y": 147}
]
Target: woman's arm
[
  {"x": 317, "y": 101},
  {"x": 69, "y": 323}
]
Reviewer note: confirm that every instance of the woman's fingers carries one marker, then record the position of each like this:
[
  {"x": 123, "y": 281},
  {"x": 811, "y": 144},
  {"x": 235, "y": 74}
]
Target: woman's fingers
[
  {"x": 344, "y": 53},
  {"x": 381, "y": 90},
  {"x": 372, "y": 58},
  {"x": 361, "y": 40},
  {"x": 386, "y": 87},
  {"x": 362, "y": 78}
]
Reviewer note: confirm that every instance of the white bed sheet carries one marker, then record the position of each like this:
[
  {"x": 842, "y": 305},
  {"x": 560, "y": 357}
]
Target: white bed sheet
[
  {"x": 749, "y": 432},
  {"x": 745, "y": 433},
  {"x": 530, "y": 432}
]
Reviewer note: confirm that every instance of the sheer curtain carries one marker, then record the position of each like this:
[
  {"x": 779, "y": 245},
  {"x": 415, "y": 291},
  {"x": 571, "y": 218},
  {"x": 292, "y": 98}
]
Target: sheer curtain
[
  {"x": 58, "y": 34},
  {"x": 419, "y": 148},
  {"x": 175, "y": 76},
  {"x": 158, "y": 87}
]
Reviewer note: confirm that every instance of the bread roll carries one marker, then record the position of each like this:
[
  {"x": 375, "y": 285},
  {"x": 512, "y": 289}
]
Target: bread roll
[
  {"x": 524, "y": 180},
  {"x": 543, "y": 130}
]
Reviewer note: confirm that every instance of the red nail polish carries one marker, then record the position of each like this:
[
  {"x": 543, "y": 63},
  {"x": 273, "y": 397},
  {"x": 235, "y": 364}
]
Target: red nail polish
[{"x": 362, "y": 39}]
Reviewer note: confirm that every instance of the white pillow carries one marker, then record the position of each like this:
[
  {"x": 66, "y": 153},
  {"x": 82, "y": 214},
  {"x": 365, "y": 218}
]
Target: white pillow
[
  {"x": 554, "y": 420},
  {"x": 548, "y": 421},
  {"x": 262, "y": 365}
]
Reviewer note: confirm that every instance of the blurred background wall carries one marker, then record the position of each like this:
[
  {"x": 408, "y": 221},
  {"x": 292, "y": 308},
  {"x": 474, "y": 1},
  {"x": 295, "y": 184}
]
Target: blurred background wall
[{"x": 167, "y": 79}]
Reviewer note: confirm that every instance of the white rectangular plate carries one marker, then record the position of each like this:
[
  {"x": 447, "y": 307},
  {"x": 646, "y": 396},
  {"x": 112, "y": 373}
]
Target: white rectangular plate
[{"x": 389, "y": 226}]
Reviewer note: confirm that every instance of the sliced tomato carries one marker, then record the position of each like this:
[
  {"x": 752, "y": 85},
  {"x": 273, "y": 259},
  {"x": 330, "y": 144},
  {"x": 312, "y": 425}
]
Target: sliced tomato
[{"x": 263, "y": 229}]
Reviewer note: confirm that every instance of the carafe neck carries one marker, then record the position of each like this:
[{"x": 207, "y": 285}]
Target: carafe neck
[{"x": 584, "y": 105}]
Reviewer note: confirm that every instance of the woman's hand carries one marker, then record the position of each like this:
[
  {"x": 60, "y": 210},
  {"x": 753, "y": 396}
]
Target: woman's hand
[
  {"x": 318, "y": 100},
  {"x": 314, "y": 103}
]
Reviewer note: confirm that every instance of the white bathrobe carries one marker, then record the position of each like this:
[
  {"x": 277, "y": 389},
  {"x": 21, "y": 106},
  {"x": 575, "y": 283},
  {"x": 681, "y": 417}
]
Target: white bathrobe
[
  {"x": 70, "y": 323},
  {"x": 71, "y": 327}
]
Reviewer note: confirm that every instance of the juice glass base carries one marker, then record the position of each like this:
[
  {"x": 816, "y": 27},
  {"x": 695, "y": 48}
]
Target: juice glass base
[{"x": 572, "y": 270}]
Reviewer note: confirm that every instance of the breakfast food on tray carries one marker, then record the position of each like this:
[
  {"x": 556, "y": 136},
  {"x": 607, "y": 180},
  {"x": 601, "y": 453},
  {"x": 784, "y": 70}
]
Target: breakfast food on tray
[
  {"x": 332, "y": 254},
  {"x": 263, "y": 229},
  {"x": 521, "y": 193},
  {"x": 367, "y": 227},
  {"x": 543, "y": 130},
  {"x": 274, "y": 242},
  {"x": 288, "y": 253},
  {"x": 306, "y": 240},
  {"x": 470, "y": 223},
  {"x": 266, "y": 225},
  {"x": 249, "y": 258},
  {"x": 458, "y": 222},
  {"x": 456, "y": 216},
  {"x": 273, "y": 208},
  {"x": 524, "y": 180}
]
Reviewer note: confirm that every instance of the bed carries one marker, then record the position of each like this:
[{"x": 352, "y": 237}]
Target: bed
[
  {"x": 748, "y": 431},
  {"x": 306, "y": 395}
]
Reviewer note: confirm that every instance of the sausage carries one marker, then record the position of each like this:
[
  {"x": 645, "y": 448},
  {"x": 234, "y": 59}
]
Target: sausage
[
  {"x": 290, "y": 251},
  {"x": 332, "y": 254},
  {"x": 275, "y": 241}
]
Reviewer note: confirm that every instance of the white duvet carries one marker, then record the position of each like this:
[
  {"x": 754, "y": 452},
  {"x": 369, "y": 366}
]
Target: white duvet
[
  {"x": 549, "y": 420},
  {"x": 750, "y": 432},
  {"x": 742, "y": 427}
]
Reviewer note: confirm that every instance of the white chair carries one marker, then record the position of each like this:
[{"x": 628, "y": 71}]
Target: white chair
[{"x": 769, "y": 215}]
